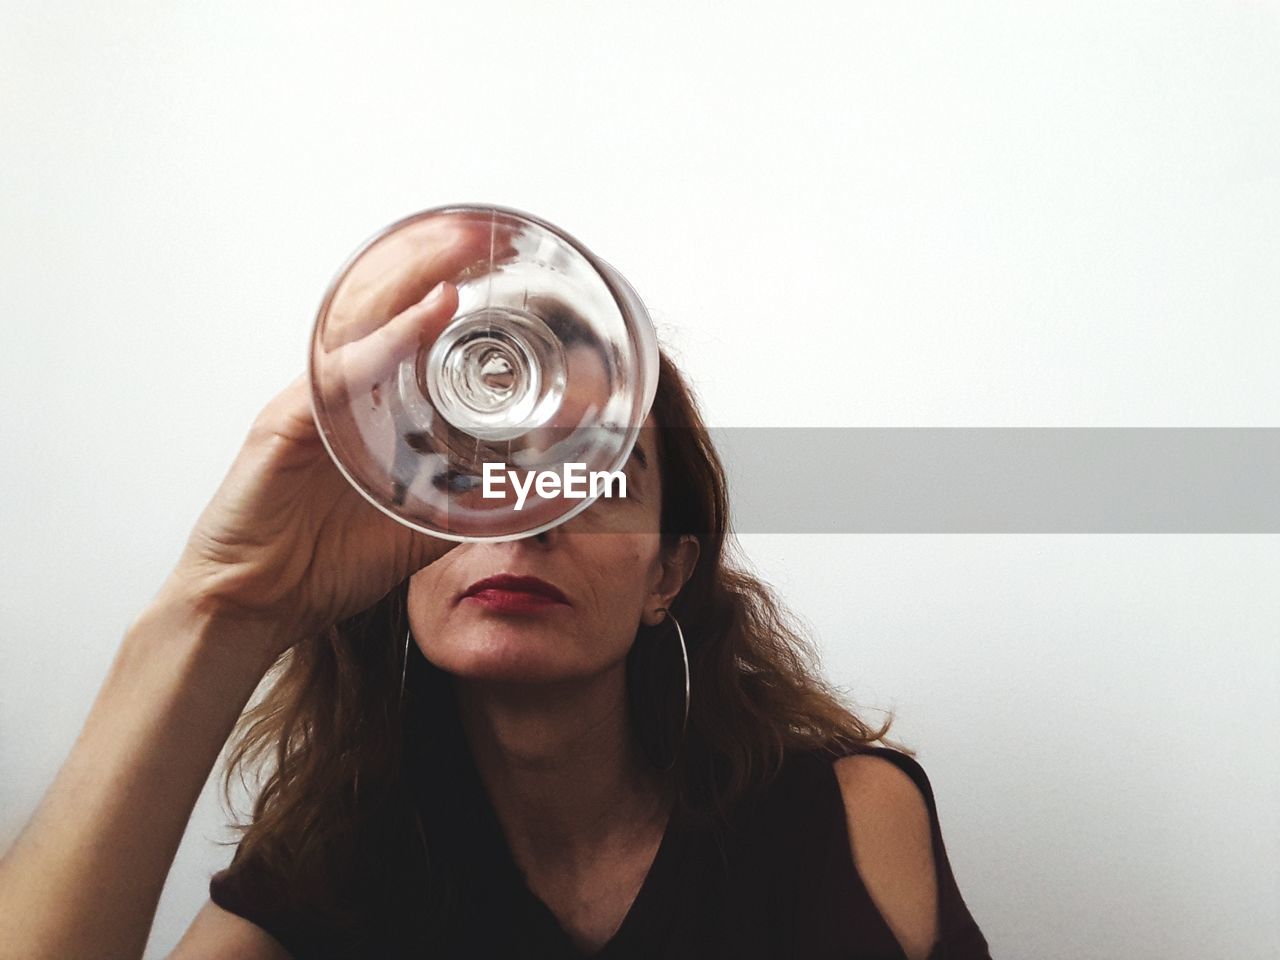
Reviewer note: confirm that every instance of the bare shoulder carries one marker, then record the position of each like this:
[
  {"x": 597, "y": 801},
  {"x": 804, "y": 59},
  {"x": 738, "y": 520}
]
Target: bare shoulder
[
  {"x": 217, "y": 934},
  {"x": 891, "y": 840}
]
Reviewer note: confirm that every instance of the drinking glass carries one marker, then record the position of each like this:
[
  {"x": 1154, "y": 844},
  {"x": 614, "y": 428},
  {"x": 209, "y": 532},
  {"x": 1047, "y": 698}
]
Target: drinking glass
[{"x": 550, "y": 359}]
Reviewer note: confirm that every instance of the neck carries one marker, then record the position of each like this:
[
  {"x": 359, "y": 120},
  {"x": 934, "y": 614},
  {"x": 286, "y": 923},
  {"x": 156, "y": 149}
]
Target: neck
[{"x": 559, "y": 762}]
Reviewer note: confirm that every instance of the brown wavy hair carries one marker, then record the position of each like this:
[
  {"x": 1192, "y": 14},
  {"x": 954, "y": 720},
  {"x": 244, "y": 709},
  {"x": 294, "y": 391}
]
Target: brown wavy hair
[{"x": 325, "y": 743}]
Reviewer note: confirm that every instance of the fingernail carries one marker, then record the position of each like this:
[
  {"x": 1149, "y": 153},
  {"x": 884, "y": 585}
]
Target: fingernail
[{"x": 432, "y": 298}]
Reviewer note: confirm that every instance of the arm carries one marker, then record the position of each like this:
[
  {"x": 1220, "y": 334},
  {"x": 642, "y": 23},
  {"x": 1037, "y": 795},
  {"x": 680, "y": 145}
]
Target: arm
[
  {"x": 286, "y": 548},
  {"x": 83, "y": 878}
]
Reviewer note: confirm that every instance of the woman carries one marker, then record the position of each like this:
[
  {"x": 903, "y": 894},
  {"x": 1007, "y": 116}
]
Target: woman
[{"x": 601, "y": 741}]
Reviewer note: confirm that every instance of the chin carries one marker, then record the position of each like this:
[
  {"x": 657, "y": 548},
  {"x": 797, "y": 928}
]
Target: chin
[{"x": 512, "y": 653}]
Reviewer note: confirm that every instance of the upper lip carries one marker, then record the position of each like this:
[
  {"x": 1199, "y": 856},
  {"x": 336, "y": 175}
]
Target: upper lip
[{"x": 510, "y": 581}]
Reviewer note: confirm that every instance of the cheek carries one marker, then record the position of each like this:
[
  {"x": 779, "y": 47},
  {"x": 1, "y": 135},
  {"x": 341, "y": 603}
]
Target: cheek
[
  {"x": 620, "y": 570},
  {"x": 429, "y": 601}
]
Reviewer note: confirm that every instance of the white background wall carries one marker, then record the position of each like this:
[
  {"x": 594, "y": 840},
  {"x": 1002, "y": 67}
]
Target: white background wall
[{"x": 1055, "y": 214}]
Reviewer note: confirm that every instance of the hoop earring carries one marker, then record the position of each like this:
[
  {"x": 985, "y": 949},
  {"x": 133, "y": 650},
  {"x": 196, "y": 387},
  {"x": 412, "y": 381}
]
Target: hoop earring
[
  {"x": 404, "y": 665},
  {"x": 684, "y": 722}
]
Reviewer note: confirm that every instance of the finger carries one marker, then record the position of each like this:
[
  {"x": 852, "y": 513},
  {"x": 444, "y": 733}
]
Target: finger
[
  {"x": 403, "y": 267},
  {"x": 378, "y": 355},
  {"x": 288, "y": 413}
]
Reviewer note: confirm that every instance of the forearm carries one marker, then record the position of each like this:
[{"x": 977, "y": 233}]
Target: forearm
[{"x": 84, "y": 877}]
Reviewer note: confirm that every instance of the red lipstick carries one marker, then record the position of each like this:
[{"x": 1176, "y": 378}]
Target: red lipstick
[{"x": 514, "y": 594}]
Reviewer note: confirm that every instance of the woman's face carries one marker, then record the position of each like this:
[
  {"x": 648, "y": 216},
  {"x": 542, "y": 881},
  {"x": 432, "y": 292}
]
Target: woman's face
[{"x": 607, "y": 563}]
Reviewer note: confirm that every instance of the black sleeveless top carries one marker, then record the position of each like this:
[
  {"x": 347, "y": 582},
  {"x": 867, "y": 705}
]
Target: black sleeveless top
[{"x": 781, "y": 884}]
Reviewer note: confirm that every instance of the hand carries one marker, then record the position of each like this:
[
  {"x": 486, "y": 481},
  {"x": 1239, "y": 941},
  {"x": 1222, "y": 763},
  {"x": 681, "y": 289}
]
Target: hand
[{"x": 287, "y": 542}]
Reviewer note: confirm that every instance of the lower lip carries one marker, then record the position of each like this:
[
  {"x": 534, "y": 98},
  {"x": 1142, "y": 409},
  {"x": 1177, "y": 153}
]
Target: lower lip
[{"x": 513, "y": 601}]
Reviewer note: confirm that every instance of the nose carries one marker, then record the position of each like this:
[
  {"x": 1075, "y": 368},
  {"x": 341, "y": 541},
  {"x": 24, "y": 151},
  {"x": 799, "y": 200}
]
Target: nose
[{"x": 534, "y": 540}]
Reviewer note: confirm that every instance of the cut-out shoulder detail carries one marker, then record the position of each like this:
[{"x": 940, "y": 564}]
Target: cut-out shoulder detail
[
  {"x": 216, "y": 932},
  {"x": 892, "y": 846}
]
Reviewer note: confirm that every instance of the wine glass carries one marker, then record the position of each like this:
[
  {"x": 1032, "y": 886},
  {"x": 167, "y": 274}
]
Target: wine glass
[{"x": 445, "y": 419}]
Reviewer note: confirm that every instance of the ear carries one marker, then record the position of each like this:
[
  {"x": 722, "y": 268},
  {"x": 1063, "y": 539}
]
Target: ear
[{"x": 677, "y": 568}]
